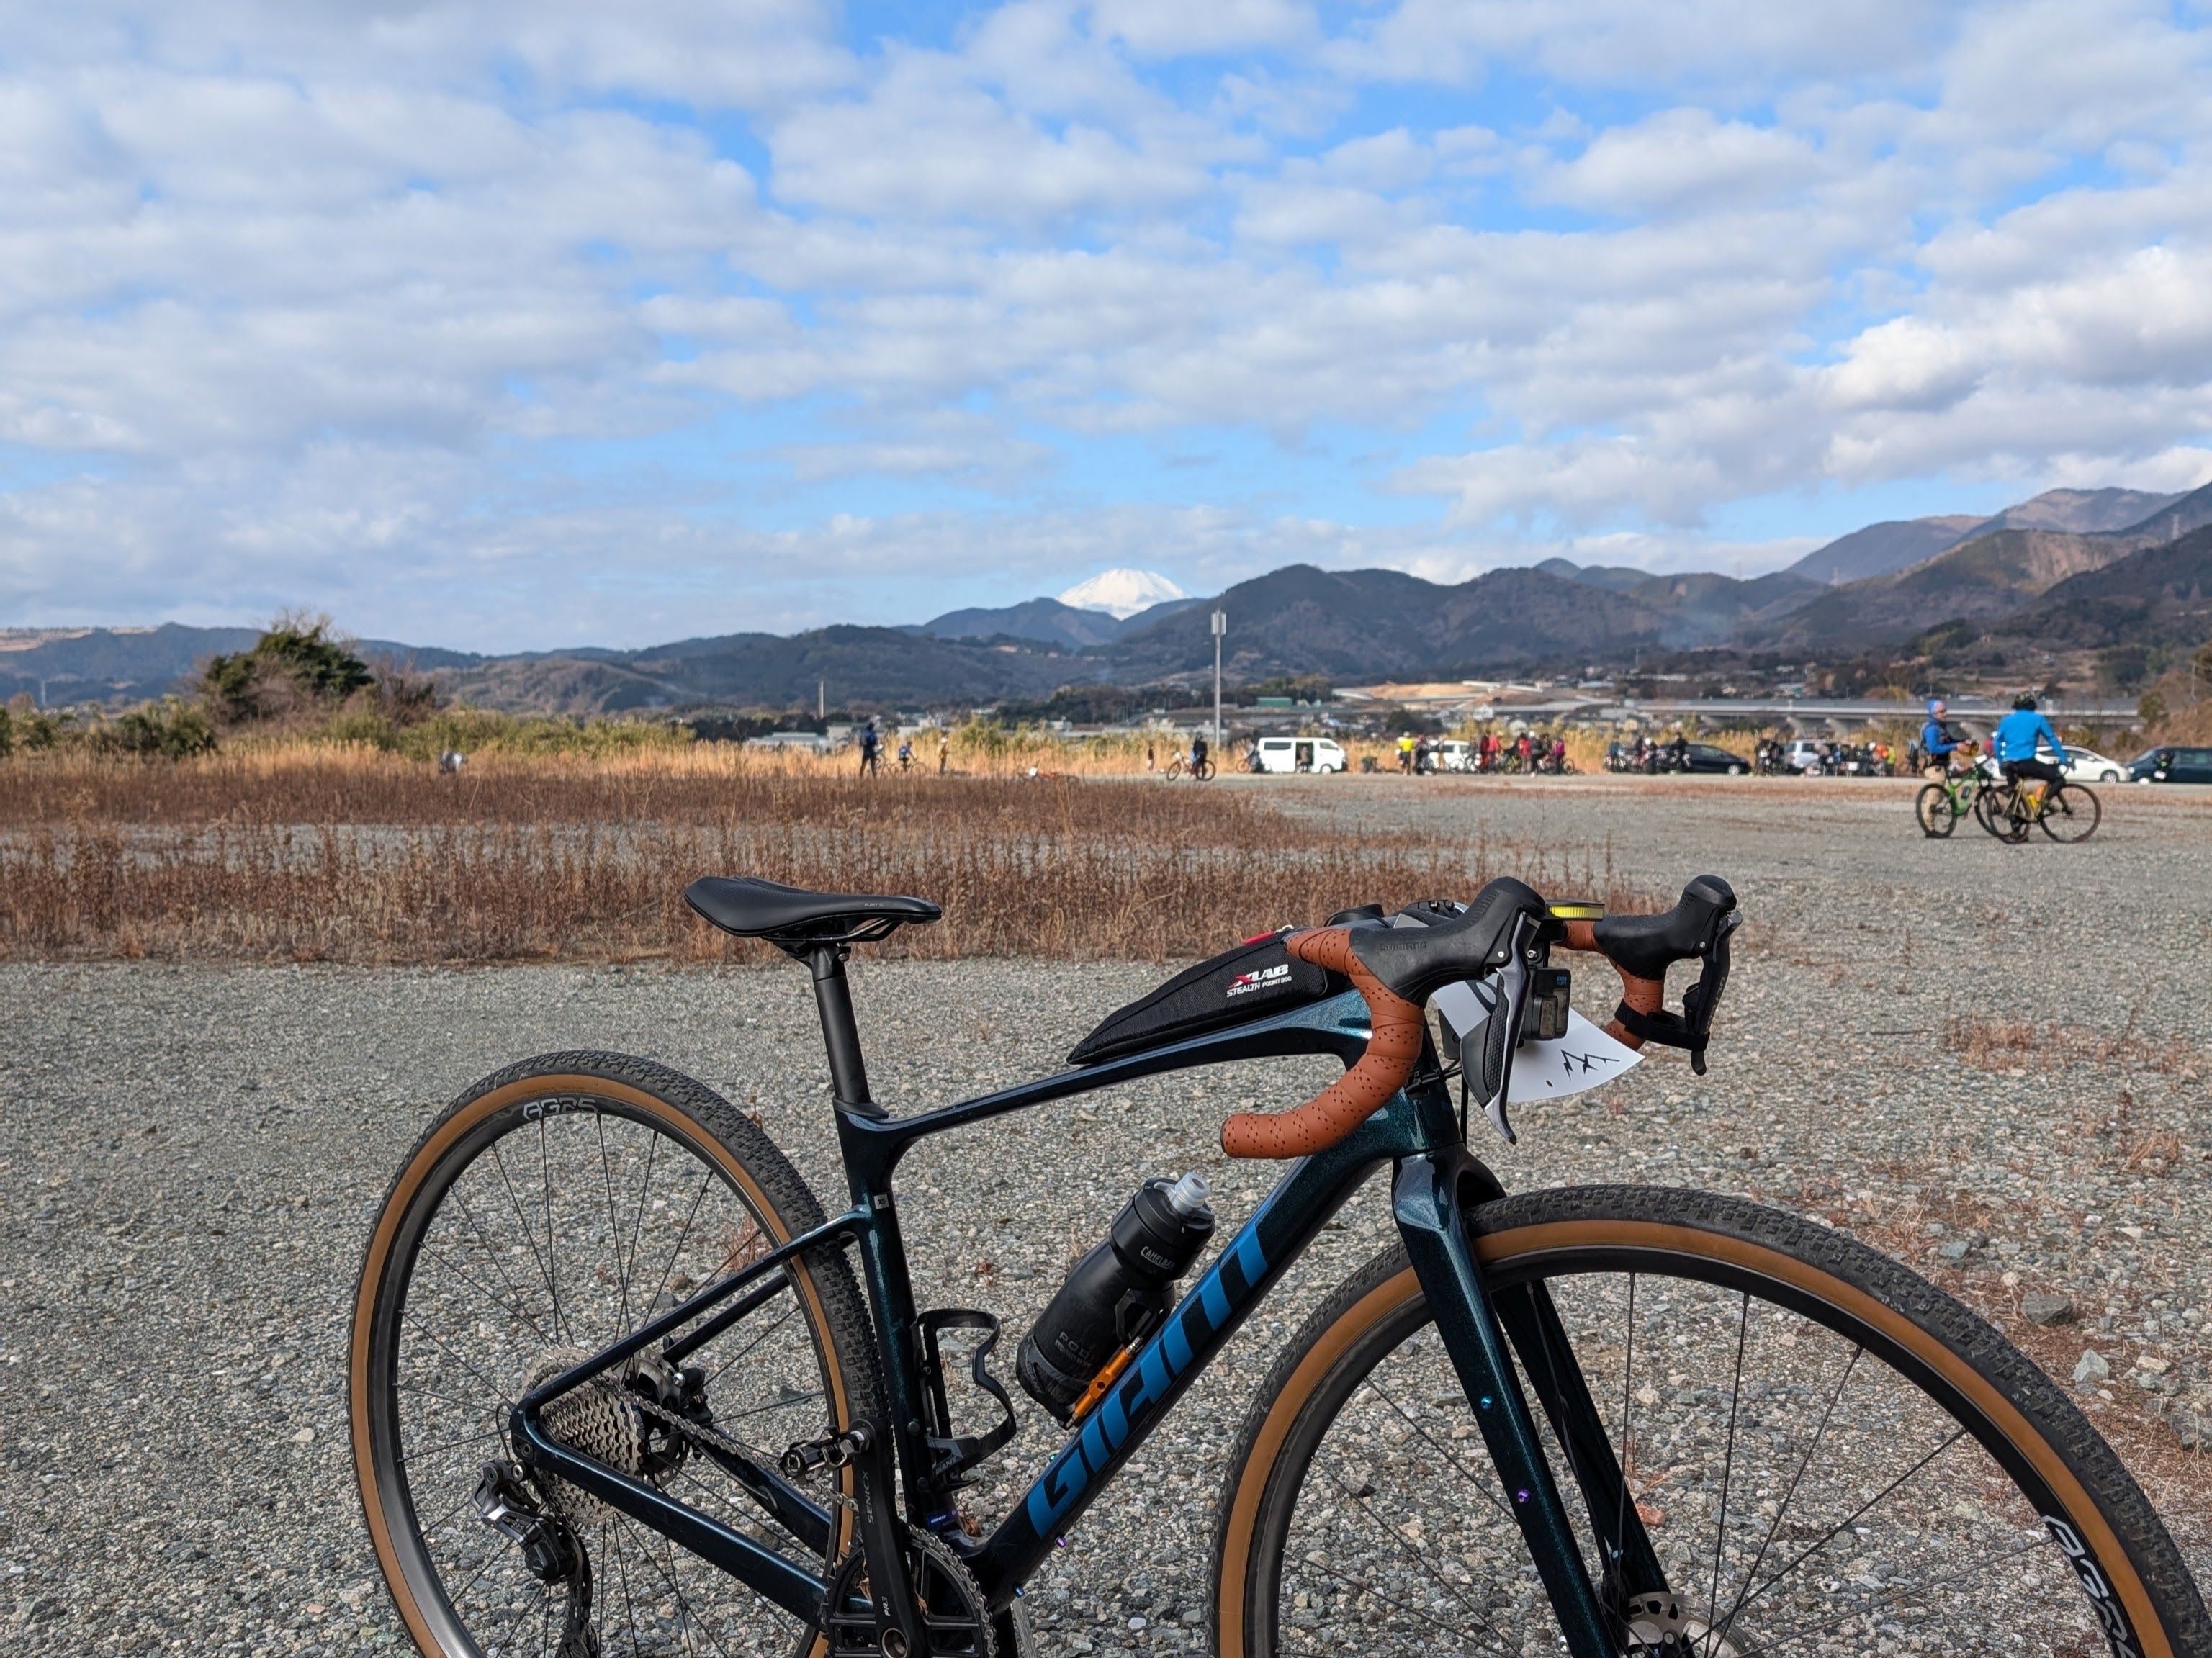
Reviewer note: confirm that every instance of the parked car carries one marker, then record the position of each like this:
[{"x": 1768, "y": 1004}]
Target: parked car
[
  {"x": 2088, "y": 766},
  {"x": 1805, "y": 754},
  {"x": 1293, "y": 754},
  {"x": 1705, "y": 757},
  {"x": 1452, "y": 755},
  {"x": 2169, "y": 763}
]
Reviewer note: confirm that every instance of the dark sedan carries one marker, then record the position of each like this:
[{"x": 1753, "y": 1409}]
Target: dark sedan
[
  {"x": 2171, "y": 764},
  {"x": 1705, "y": 757}
]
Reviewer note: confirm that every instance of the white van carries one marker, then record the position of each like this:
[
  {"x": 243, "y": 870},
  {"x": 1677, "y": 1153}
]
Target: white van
[
  {"x": 1452, "y": 755},
  {"x": 1288, "y": 754}
]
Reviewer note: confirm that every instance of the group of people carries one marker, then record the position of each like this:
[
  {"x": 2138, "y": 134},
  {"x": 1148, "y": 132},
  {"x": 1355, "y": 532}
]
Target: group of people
[
  {"x": 1530, "y": 751},
  {"x": 2016, "y": 744},
  {"x": 1649, "y": 756},
  {"x": 872, "y": 751}
]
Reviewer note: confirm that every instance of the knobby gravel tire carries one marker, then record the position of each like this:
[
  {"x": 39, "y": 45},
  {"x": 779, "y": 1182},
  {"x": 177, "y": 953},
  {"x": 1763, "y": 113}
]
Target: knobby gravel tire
[{"x": 667, "y": 1103}]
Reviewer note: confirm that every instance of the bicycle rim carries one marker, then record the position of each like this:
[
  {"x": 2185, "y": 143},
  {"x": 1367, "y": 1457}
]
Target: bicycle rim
[{"x": 1818, "y": 1469}]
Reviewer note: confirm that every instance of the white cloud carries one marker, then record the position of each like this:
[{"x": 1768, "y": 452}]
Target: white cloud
[{"x": 393, "y": 311}]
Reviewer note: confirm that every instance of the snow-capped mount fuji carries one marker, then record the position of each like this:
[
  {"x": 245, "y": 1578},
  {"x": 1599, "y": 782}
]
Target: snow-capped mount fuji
[
  {"x": 1098, "y": 611},
  {"x": 1122, "y": 593}
]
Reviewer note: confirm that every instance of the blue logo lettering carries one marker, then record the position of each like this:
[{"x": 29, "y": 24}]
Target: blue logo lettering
[{"x": 1166, "y": 1356}]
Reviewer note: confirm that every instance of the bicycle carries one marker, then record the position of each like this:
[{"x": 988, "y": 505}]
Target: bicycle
[
  {"x": 568, "y": 1395},
  {"x": 1940, "y": 805},
  {"x": 1181, "y": 767},
  {"x": 2068, "y": 812}
]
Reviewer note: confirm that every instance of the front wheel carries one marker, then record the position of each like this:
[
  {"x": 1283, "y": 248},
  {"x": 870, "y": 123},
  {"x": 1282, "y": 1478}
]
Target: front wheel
[
  {"x": 1203, "y": 771},
  {"x": 1827, "y": 1453},
  {"x": 2071, "y": 814}
]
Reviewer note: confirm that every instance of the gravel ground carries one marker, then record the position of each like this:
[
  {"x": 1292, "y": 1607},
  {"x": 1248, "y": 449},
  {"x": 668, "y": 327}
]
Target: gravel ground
[{"x": 1991, "y": 1061}]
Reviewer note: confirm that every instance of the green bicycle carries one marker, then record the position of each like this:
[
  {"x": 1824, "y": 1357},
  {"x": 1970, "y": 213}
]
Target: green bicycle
[{"x": 1940, "y": 805}]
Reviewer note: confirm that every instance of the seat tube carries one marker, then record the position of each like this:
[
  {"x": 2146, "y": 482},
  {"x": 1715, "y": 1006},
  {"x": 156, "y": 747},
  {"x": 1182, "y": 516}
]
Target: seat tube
[
  {"x": 841, "y": 1031},
  {"x": 1424, "y": 1199}
]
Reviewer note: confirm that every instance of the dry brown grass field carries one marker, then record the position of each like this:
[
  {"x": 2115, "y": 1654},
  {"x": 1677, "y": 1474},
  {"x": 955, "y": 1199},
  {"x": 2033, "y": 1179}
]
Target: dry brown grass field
[{"x": 321, "y": 855}]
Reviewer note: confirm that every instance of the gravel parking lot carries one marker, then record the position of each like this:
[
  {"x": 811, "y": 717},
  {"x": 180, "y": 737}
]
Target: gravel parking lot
[{"x": 1992, "y": 1061}]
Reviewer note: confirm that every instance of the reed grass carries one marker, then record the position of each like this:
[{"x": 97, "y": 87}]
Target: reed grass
[{"x": 330, "y": 855}]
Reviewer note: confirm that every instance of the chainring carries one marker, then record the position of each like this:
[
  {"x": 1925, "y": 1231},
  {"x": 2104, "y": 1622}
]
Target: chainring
[{"x": 957, "y": 1623}]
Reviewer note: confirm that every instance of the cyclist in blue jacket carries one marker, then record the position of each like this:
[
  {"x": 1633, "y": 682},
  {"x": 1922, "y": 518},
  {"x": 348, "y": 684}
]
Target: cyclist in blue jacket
[
  {"x": 2018, "y": 737},
  {"x": 1937, "y": 741}
]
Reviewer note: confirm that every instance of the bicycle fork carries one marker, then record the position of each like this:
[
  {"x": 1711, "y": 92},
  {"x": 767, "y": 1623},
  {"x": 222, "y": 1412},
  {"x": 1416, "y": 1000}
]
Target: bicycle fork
[{"x": 1428, "y": 1199}]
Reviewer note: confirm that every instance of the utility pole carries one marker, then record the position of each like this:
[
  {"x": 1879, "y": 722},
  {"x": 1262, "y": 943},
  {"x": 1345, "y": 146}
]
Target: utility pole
[
  {"x": 1220, "y": 627},
  {"x": 821, "y": 700}
]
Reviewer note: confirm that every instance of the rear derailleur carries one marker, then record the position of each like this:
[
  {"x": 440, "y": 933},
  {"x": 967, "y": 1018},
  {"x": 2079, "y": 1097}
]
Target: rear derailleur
[{"x": 552, "y": 1551}]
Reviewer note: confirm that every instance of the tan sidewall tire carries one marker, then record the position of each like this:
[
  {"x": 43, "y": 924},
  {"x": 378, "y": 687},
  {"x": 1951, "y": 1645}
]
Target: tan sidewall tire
[
  {"x": 1524, "y": 1237},
  {"x": 849, "y": 1375}
]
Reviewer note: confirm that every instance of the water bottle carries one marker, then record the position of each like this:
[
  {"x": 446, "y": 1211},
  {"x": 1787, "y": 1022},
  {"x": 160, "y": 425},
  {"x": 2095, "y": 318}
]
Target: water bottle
[{"x": 1117, "y": 1294}]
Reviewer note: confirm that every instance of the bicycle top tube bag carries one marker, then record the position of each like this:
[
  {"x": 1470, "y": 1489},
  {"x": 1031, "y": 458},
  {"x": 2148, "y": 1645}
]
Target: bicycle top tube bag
[{"x": 1254, "y": 978}]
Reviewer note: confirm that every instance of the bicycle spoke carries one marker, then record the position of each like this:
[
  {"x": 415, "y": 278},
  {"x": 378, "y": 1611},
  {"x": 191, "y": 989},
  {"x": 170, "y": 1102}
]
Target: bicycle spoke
[
  {"x": 482, "y": 1238},
  {"x": 706, "y": 1182},
  {"x": 552, "y": 1240},
  {"x": 1751, "y": 1572},
  {"x": 499, "y": 1162},
  {"x": 630, "y": 1599},
  {"x": 614, "y": 1221},
  {"x": 516, "y": 1313},
  {"x": 1627, "y": 1415},
  {"x": 1366, "y": 1587},
  {"x": 1471, "y": 1477},
  {"x": 1862, "y": 1609},
  {"x": 1727, "y": 1456},
  {"x": 1831, "y": 1534},
  {"x": 1420, "y": 1559},
  {"x": 637, "y": 1220}
]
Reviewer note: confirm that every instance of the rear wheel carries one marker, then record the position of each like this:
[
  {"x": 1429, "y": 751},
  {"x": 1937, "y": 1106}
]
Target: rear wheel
[
  {"x": 2071, "y": 814},
  {"x": 1997, "y": 811},
  {"x": 1828, "y": 1453},
  {"x": 1938, "y": 810},
  {"x": 551, "y": 1210}
]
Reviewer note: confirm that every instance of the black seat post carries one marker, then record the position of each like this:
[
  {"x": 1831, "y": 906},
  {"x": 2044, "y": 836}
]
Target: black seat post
[{"x": 840, "y": 1032}]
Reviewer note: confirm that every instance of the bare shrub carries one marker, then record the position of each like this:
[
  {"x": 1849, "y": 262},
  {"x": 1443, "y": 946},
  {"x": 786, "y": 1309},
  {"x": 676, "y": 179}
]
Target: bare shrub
[{"x": 321, "y": 855}]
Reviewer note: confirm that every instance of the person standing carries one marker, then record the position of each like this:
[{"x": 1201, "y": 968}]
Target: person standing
[
  {"x": 870, "y": 748},
  {"x": 944, "y": 751},
  {"x": 1937, "y": 741}
]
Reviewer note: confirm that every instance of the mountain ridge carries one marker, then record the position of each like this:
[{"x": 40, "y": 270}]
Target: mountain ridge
[{"x": 1993, "y": 585}]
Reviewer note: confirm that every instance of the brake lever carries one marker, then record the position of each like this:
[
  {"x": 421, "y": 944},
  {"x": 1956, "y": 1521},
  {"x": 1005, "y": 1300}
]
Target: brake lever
[{"x": 1502, "y": 1035}]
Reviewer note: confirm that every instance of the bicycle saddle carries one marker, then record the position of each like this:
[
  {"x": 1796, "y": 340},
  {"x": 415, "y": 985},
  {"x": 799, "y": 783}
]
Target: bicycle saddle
[{"x": 753, "y": 909}]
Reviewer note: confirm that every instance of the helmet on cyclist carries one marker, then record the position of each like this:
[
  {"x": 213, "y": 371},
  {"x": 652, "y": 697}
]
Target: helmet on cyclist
[
  {"x": 2024, "y": 700},
  {"x": 1937, "y": 707}
]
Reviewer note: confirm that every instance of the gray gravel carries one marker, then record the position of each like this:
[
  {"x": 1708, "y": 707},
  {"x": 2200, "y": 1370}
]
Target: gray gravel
[{"x": 191, "y": 1157}]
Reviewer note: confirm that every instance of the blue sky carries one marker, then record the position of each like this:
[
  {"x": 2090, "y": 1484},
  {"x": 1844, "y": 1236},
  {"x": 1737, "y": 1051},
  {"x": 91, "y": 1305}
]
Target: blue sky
[{"x": 503, "y": 324}]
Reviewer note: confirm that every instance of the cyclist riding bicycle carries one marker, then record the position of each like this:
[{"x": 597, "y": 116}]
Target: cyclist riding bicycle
[
  {"x": 1937, "y": 740},
  {"x": 2016, "y": 739}
]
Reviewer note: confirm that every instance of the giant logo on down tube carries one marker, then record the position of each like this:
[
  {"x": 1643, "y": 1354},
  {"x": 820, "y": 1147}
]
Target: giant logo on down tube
[{"x": 1204, "y": 1313}]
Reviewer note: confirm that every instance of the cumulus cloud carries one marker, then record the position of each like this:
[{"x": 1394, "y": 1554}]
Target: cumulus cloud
[{"x": 515, "y": 324}]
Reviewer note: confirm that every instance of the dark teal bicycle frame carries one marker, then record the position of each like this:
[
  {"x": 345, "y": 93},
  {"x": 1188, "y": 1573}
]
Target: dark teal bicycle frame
[{"x": 1435, "y": 1183}]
